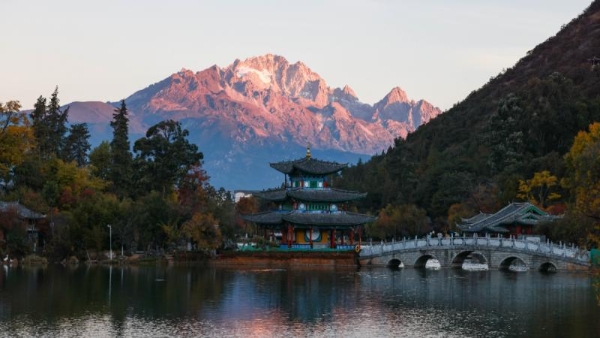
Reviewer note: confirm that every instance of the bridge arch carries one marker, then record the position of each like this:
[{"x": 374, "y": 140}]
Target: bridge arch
[
  {"x": 459, "y": 259},
  {"x": 510, "y": 260},
  {"x": 422, "y": 260},
  {"x": 548, "y": 267},
  {"x": 394, "y": 263}
]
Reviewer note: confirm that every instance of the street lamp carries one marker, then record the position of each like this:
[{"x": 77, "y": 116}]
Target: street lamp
[{"x": 110, "y": 239}]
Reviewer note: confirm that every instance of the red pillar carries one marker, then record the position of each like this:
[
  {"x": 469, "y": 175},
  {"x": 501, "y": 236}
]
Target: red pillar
[
  {"x": 310, "y": 237},
  {"x": 289, "y": 235},
  {"x": 332, "y": 245},
  {"x": 359, "y": 237},
  {"x": 351, "y": 236}
]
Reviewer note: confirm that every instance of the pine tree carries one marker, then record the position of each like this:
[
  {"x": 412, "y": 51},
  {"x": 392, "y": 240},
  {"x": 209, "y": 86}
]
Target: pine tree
[
  {"x": 121, "y": 158},
  {"x": 49, "y": 125},
  {"x": 56, "y": 120},
  {"x": 40, "y": 128},
  {"x": 77, "y": 145}
]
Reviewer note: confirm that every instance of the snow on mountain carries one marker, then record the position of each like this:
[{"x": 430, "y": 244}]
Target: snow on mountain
[{"x": 265, "y": 109}]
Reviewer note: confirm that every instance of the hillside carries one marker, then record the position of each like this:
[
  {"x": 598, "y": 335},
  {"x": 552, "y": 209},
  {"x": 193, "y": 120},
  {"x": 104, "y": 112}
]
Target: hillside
[{"x": 522, "y": 121}]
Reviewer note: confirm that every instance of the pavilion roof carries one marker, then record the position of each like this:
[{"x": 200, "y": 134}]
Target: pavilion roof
[
  {"x": 514, "y": 213},
  {"x": 328, "y": 219},
  {"x": 21, "y": 210},
  {"x": 268, "y": 217},
  {"x": 272, "y": 195},
  {"x": 308, "y": 165},
  {"x": 311, "y": 195},
  {"x": 320, "y": 219},
  {"x": 325, "y": 195}
]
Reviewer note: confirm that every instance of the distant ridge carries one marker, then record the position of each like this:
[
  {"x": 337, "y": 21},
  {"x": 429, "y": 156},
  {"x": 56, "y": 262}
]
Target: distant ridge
[{"x": 263, "y": 106}]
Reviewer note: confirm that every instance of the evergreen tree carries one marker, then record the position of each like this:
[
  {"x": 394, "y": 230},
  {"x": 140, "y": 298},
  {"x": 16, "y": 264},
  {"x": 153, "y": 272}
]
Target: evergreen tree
[
  {"x": 121, "y": 158},
  {"x": 49, "y": 125},
  {"x": 40, "y": 128},
  {"x": 165, "y": 156},
  {"x": 56, "y": 120},
  {"x": 77, "y": 145}
]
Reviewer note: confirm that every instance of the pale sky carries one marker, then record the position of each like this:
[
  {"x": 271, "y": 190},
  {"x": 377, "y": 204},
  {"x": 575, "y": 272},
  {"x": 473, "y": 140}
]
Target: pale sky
[{"x": 438, "y": 50}]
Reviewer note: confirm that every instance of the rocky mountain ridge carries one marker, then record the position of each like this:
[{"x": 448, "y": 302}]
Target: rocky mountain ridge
[{"x": 263, "y": 103}]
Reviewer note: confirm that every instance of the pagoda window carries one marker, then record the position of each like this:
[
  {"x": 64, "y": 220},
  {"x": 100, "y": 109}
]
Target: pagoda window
[
  {"x": 313, "y": 184},
  {"x": 302, "y": 207},
  {"x": 334, "y": 207},
  {"x": 320, "y": 184},
  {"x": 317, "y": 207},
  {"x": 306, "y": 184}
]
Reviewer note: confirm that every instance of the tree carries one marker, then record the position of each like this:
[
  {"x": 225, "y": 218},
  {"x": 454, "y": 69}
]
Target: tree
[
  {"x": 77, "y": 145},
  {"x": 41, "y": 130},
  {"x": 505, "y": 137},
  {"x": 204, "y": 230},
  {"x": 121, "y": 158},
  {"x": 164, "y": 156},
  {"x": 245, "y": 206},
  {"x": 100, "y": 161},
  {"x": 538, "y": 190},
  {"x": 457, "y": 212},
  {"x": 49, "y": 125},
  {"x": 583, "y": 176},
  {"x": 397, "y": 221},
  {"x": 57, "y": 120},
  {"x": 16, "y": 138},
  {"x": 149, "y": 213},
  {"x": 51, "y": 194},
  {"x": 193, "y": 192}
]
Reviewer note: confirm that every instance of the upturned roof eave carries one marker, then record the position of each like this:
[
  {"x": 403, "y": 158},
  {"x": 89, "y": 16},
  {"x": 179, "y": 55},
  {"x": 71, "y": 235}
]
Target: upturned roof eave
[
  {"x": 309, "y": 166},
  {"x": 498, "y": 218}
]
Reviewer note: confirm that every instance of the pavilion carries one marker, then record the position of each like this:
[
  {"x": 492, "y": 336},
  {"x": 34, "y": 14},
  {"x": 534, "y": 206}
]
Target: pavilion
[{"x": 308, "y": 211}]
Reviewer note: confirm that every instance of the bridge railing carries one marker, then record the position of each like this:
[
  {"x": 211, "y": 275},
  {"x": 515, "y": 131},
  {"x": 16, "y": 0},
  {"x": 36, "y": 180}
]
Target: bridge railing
[{"x": 548, "y": 248}]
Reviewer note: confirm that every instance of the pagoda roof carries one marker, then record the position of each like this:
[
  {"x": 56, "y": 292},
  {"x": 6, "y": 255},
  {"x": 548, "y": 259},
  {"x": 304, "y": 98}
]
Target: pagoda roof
[
  {"x": 268, "y": 217},
  {"x": 514, "y": 213},
  {"x": 311, "y": 195},
  {"x": 328, "y": 219},
  {"x": 325, "y": 195},
  {"x": 272, "y": 195},
  {"x": 308, "y": 165},
  {"x": 322, "y": 219}
]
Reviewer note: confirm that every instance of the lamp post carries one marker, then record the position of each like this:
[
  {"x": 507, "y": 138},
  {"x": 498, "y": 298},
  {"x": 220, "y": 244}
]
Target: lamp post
[{"x": 110, "y": 238}]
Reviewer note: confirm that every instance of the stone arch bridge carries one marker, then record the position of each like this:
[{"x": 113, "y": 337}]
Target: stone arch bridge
[{"x": 496, "y": 252}]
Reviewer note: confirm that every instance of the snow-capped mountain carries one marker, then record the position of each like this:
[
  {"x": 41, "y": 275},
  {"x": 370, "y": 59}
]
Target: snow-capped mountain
[{"x": 264, "y": 109}]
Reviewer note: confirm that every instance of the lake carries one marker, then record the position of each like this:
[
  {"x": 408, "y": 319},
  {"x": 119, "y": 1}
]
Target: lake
[{"x": 203, "y": 301}]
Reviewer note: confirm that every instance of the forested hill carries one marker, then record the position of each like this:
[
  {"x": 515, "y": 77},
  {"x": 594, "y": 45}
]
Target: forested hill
[{"x": 521, "y": 122}]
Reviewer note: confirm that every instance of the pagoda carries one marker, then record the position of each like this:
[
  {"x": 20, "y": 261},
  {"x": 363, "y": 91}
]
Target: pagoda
[{"x": 308, "y": 211}]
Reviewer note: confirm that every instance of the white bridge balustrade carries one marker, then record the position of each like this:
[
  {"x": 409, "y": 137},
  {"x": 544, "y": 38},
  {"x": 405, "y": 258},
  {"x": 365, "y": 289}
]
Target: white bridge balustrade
[{"x": 494, "y": 249}]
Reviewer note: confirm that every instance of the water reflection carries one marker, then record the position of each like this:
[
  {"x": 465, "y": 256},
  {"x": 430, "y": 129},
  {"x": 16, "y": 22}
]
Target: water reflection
[{"x": 204, "y": 301}]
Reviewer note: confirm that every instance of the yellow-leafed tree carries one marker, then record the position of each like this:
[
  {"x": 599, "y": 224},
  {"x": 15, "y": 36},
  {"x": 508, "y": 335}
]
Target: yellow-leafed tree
[
  {"x": 204, "y": 230},
  {"x": 583, "y": 165},
  {"x": 16, "y": 137},
  {"x": 540, "y": 189}
]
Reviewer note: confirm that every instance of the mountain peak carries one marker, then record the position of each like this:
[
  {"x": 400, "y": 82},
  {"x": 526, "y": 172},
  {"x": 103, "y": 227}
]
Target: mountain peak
[
  {"x": 348, "y": 91},
  {"x": 264, "y": 62},
  {"x": 396, "y": 95}
]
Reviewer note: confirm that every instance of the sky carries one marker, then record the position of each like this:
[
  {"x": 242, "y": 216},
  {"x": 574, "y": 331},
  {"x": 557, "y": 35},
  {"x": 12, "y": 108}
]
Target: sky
[{"x": 437, "y": 50}]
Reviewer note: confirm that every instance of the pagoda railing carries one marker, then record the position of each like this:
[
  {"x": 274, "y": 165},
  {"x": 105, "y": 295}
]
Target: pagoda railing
[{"x": 559, "y": 250}]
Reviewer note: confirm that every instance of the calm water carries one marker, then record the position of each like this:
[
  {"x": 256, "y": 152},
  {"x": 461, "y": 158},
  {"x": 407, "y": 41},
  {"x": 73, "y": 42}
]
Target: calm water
[{"x": 237, "y": 302}]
